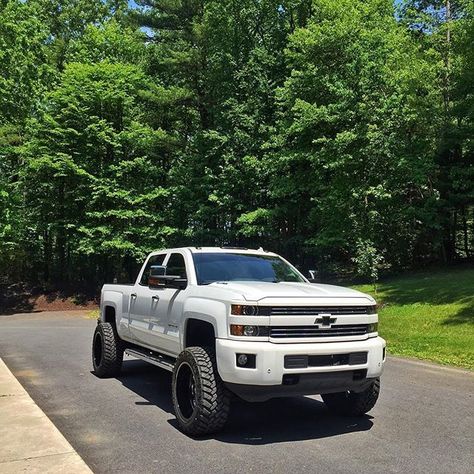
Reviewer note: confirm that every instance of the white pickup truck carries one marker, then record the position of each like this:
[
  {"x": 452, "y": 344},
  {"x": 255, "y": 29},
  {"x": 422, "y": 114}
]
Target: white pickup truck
[{"x": 245, "y": 322}]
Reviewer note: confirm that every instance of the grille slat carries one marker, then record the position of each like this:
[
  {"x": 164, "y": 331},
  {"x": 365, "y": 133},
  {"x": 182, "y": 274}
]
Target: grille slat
[
  {"x": 315, "y": 310},
  {"x": 336, "y": 330},
  {"x": 348, "y": 327}
]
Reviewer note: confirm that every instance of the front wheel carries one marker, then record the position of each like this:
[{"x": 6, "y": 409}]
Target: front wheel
[
  {"x": 353, "y": 403},
  {"x": 200, "y": 399}
]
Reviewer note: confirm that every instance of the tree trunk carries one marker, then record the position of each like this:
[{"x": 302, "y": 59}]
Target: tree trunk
[{"x": 465, "y": 232}]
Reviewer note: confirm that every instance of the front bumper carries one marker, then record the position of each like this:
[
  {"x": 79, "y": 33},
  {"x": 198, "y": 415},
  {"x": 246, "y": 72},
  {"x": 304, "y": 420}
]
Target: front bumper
[{"x": 270, "y": 378}]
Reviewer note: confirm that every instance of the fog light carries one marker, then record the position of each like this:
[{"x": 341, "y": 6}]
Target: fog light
[
  {"x": 250, "y": 331},
  {"x": 246, "y": 361}
]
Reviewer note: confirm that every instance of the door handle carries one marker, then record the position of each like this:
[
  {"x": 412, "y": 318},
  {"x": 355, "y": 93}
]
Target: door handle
[
  {"x": 155, "y": 298},
  {"x": 133, "y": 295}
]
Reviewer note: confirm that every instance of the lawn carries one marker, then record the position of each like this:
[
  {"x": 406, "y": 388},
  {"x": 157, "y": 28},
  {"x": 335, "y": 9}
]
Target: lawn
[{"x": 428, "y": 315}]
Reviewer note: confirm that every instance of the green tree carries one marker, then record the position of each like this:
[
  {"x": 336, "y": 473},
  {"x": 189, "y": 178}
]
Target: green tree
[
  {"x": 67, "y": 20},
  {"x": 24, "y": 77},
  {"x": 331, "y": 130},
  {"x": 99, "y": 195},
  {"x": 443, "y": 28},
  {"x": 353, "y": 159},
  {"x": 23, "y": 59},
  {"x": 229, "y": 56}
]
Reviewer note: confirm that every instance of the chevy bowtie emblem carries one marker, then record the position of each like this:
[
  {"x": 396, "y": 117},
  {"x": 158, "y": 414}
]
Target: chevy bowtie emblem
[{"x": 325, "y": 320}]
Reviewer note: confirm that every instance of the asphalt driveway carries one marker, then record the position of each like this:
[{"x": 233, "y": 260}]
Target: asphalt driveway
[{"x": 423, "y": 422}]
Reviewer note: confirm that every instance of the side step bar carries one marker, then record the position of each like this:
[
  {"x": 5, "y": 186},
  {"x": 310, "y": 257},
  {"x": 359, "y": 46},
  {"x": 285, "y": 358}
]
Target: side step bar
[{"x": 165, "y": 362}]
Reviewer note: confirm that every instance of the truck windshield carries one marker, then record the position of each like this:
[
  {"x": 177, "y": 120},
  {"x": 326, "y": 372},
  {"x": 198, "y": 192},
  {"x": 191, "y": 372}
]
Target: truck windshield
[{"x": 212, "y": 267}]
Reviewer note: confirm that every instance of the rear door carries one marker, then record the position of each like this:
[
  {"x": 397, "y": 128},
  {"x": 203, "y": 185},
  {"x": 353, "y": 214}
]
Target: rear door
[{"x": 142, "y": 300}]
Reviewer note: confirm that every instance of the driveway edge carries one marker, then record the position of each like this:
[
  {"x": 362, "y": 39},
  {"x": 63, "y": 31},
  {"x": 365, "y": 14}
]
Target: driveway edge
[{"x": 30, "y": 441}]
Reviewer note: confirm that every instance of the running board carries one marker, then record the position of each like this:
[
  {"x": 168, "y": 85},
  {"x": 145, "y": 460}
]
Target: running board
[{"x": 165, "y": 362}]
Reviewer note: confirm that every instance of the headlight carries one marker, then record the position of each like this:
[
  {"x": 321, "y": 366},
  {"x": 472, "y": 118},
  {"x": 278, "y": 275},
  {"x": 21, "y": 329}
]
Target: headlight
[
  {"x": 372, "y": 309},
  {"x": 249, "y": 310},
  {"x": 243, "y": 310}
]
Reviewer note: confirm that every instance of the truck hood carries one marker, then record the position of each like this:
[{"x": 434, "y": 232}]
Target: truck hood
[{"x": 256, "y": 291}]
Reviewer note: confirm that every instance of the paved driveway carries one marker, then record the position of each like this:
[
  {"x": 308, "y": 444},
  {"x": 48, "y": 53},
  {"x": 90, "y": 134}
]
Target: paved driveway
[{"x": 423, "y": 422}]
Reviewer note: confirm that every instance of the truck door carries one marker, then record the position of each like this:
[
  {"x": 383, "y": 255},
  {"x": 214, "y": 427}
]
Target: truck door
[
  {"x": 166, "y": 312},
  {"x": 142, "y": 300}
]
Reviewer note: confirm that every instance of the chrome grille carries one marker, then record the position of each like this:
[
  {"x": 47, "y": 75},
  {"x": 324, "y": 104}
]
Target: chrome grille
[
  {"x": 336, "y": 330},
  {"x": 315, "y": 310}
]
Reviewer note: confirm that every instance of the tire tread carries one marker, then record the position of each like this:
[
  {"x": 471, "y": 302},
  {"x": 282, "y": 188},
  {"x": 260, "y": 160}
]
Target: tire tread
[
  {"x": 352, "y": 403},
  {"x": 213, "y": 409},
  {"x": 112, "y": 351}
]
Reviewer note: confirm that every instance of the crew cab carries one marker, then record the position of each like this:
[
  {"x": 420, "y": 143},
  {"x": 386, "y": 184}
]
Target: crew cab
[{"x": 245, "y": 322}]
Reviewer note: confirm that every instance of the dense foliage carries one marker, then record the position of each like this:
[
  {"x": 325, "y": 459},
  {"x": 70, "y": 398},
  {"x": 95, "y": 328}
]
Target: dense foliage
[{"x": 337, "y": 132}]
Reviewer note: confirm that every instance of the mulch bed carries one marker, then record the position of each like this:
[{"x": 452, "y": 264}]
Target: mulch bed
[{"x": 17, "y": 299}]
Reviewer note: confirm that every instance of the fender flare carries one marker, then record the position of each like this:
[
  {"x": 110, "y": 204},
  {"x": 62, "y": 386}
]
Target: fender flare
[
  {"x": 209, "y": 311},
  {"x": 113, "y": 299}
]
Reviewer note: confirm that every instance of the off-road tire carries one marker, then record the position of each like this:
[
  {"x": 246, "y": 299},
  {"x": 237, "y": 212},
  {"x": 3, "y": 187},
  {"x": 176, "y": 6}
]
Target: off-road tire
[
  {"x": 203, "y": 409},
  {"x": 107, "y": 351},
  {"x": 353, "y": 403}
]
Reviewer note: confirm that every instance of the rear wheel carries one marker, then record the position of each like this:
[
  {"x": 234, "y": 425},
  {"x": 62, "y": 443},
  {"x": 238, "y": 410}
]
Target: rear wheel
[
  {"x": 107, "y": 351},
  {"x": 200, "y": 399},
  {"x": 353, "y": 403}
]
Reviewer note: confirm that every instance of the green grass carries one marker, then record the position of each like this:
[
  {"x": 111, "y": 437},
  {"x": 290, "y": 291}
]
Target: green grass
[
  {"x": 93, "y": 314},
  {"x": 428, "y": 315}
]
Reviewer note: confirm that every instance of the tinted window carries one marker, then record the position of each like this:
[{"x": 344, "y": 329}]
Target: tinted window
[
  {"x": 153, "y": 260},
  {"x": 212, "y": 267},
  {"x": 176, "y": 266}
]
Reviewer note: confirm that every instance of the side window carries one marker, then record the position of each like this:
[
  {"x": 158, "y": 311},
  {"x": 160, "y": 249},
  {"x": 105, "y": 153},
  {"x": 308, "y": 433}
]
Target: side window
[
  {"x": 153, "y": 260},
  {"x": 176, "y": 265}
]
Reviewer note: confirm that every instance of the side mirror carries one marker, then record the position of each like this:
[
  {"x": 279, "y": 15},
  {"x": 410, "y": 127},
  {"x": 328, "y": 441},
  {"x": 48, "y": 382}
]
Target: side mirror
[
  {"x": 313, "y": 276},
  {"x": 157, "y": 270},
  {"x": 167, "y": 281}
]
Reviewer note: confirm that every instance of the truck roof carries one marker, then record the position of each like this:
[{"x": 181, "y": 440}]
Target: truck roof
[{"x": 224, "y": 249}]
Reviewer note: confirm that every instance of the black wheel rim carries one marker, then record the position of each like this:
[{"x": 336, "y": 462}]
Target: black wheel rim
[
  {"x": 185, "y": 391},
  {"x": 97, "y": 349}
]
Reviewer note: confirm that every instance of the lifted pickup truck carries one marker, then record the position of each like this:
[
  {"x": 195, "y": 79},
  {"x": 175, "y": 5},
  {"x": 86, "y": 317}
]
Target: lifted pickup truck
[{"x": 228, "y": 320}]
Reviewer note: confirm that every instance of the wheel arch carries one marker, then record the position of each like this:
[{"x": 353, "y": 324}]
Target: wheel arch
[
  {"x": 199, "y": 330},
  {"x": 110, "y": 307},
  {"x": 110, "y": 315},
  {"x": 207, "y": 310}
]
